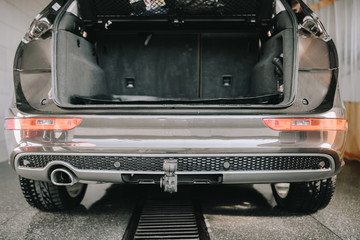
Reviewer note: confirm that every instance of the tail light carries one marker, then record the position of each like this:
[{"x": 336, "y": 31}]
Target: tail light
[
  {"x": 306, "y": 124},
  {"x": 42, "y": 123}
]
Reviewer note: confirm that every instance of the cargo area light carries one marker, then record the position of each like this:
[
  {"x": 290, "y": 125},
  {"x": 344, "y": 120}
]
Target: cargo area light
[
  {"x": 42, "y": 123},
  {"x": 306, "y": 124}
]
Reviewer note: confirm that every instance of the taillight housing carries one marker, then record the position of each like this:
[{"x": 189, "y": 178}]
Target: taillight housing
[
  {"x": 42, "y": 123},
  {"x": 306, "y": 124}
]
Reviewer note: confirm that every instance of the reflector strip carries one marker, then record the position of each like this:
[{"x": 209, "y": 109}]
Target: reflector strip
[
  {"x": 306, "y": 124},
  {"x": 41, "y": 123}
]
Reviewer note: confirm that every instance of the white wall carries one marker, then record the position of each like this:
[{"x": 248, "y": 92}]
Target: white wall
[
  {"x": 15, "y": 18},
  {"x": 342, "y": 21}
]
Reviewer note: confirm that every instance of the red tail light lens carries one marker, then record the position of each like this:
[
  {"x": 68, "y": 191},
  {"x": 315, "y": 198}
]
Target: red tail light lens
[
  {"x": 42, "y": 123},
  {"x": 305, "y": 124}
]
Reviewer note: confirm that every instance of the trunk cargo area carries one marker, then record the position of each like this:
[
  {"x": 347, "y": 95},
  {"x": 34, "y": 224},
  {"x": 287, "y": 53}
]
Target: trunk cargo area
[{"x": 129, "y": 57}]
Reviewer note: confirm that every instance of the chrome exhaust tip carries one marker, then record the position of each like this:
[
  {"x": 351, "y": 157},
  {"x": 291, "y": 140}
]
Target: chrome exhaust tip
[{"x": 63, "y": 177}]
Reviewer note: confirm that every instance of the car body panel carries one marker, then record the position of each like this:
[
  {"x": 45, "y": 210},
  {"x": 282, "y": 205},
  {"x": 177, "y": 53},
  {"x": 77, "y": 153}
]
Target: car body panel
[{"x": 172, "y": 130}]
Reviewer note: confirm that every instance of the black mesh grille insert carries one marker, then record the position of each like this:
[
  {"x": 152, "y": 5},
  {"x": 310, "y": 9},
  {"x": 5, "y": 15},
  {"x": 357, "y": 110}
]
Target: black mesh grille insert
[
  {"x": 187, "y": 163},
  {"x": 126, "y": 8}
]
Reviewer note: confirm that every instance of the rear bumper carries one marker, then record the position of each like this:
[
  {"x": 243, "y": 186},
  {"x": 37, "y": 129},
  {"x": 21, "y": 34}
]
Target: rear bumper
[
  {"x": 232, "y": 168},
  {"x": 241, "y": 141}
]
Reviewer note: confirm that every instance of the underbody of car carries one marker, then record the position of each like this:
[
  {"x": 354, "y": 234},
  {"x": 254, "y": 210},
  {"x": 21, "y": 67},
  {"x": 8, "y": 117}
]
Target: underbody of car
[{"x": 176, "y": 92}]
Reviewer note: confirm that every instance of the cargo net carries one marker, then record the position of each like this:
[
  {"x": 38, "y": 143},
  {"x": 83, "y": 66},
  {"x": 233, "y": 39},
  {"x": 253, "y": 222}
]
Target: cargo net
[{"x": 126, "y": 8}]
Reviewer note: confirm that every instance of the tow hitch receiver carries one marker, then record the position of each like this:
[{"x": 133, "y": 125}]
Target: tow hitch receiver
[{"x": 169, "y": 180}]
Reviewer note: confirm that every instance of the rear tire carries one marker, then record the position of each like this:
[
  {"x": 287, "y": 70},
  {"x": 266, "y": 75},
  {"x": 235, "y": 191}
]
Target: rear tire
[
  {"x": 305, "y": 197},
  {"x": 46, "y": 196}
]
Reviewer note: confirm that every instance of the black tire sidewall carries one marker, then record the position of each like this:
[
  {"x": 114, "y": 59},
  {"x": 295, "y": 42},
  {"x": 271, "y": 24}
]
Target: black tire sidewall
[
  {"x": 306, "y": 197},
  {"x": 69, "y": 202}
]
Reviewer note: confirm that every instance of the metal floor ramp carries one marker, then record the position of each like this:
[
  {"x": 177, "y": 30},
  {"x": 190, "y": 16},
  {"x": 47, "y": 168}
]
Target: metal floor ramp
[{"x": 167, "y": 219}]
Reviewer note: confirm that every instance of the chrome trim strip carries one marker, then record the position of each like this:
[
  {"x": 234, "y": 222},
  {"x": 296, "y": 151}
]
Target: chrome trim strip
[{"x": 37, "y": 70}]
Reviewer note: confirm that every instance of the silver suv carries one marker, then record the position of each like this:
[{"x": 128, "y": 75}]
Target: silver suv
[{"x": 174, "y": 92}]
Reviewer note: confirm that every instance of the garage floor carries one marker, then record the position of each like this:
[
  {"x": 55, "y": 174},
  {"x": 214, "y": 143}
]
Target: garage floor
[{"x": 231, "y": 212}]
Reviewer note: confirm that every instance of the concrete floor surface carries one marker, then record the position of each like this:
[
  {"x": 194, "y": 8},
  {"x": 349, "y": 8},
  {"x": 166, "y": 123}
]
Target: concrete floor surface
[{"x": 231, "y": 212}]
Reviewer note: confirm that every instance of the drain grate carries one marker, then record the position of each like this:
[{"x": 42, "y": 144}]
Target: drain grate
[{"x": 167, "y": 219}]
